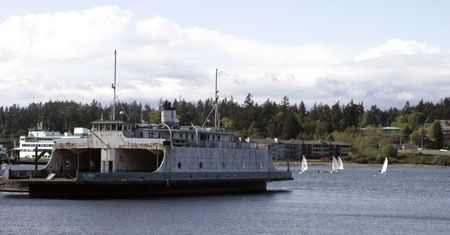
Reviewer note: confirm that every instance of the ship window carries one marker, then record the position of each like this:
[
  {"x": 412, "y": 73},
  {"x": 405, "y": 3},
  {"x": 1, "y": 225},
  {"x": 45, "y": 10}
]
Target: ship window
[
  {"x": 119, "y": 127},
  {"x": 192, "y": 136},
  {"x": 218, "y": 138},
  {"x": 200, "y": 165},
  {"x": 223, "y": 164},
  {"x": 179, "y": 165}
]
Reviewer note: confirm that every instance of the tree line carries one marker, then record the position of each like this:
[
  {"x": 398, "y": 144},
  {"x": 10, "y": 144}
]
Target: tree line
[{"x": 268, "y": 119}]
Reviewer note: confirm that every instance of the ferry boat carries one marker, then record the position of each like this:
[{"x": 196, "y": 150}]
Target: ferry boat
[
  {"x": 121, "y": 159},
  {"x": 38, "y": 141}
]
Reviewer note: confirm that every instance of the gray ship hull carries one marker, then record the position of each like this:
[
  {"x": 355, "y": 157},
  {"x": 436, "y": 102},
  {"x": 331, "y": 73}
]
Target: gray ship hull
[
  {"x": 108, "y": 164},
  {"x": 141, "y": 184}
]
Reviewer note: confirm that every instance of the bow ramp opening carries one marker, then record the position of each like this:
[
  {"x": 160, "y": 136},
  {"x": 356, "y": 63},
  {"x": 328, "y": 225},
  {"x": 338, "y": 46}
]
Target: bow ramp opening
[
  {"x": 66, "y": 162},
  {"x": 139, "y": 160}
]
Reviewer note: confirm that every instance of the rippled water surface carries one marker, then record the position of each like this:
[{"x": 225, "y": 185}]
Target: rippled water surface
[{"x": 407, "y": 201}]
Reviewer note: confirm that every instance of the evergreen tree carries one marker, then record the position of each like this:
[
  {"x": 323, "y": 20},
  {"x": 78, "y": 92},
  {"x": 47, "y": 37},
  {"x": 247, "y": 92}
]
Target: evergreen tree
[
  {"x": 437, "y": 135},
  {"x": 290, "y": 127}
]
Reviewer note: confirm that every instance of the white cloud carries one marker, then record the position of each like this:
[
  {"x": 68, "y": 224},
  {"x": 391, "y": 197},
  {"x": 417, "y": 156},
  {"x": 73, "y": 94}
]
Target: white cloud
[
  {"x": 397, "y": 47},
  {"x": 63, "y": 35},
  {"x": 69, "y": 55}
]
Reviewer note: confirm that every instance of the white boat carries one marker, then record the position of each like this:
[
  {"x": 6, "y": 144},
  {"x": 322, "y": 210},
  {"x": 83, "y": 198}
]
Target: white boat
[
  {"x": 384, "y": 168},
  {"x": 340, "y": 164},
  {"x": 44, "y": 141},
  {"x": 37, "y": 138},
  {"x": 334, "y": 165},
  {"x": 304, "y": 166}
]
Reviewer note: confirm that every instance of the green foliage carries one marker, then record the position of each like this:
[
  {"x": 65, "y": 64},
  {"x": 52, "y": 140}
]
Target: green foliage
[
  {"x": 437, "y": 135},
  {"x": 290, "y": 126},
  {"x": 250, "y": 132},
  {"x": 390, "y": 151},
  {"x": 418, "y": 158},
  {"x": 154, "y": 116},
  {"x": 227, "y": 122}
]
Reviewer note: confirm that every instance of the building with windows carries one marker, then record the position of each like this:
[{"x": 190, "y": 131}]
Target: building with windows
[
  {"x": 5, "y": 147},
  {"x": 445, "y": 127},
  {"x": 295, "y": 149}
]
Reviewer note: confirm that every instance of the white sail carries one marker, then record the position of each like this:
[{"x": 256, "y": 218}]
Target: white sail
[
  {"x": 304, "y": 166},
  {"x": 340, "y": 164},
  {"x": 334, "y": 165},
  {"x": 384, "y": 168}
]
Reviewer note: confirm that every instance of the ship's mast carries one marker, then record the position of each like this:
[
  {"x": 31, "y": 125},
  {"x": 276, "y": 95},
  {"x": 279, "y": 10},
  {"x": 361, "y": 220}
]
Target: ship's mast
[
  {"x": 216, "y": 98},
  {"x": 215, "y": 108},
  {"x": 113, "y": 114}
]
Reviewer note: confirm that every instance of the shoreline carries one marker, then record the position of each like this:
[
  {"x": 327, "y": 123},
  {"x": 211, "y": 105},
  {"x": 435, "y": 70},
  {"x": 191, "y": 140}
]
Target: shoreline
[{"x": 357, "y": 165}]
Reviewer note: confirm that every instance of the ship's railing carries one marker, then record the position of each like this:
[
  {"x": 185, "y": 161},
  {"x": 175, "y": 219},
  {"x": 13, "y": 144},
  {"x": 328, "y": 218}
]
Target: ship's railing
[
  {"x": 184, "y": 176},
  {"x": 72, "y": 143},
  {"x": 219, "y": 144},
  {"x": 43, "y": 139},
  {"x": 26, "y": 174}
]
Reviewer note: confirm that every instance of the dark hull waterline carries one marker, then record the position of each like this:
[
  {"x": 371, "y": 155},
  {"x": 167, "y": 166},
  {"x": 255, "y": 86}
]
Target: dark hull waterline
[{"x": 129, "y": 190}]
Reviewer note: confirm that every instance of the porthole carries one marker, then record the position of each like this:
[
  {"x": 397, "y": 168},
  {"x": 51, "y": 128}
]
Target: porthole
[
  {"x": 179, "y": 165},
  {"x": 200, "y": 165}
]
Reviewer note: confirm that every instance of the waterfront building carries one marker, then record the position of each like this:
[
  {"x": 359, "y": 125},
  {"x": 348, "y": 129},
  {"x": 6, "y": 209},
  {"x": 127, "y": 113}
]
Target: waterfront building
[
  {"x": 445, "y": 127},
  {"x": 5, "y": 147},
  {"x": 294, "y": 149}
]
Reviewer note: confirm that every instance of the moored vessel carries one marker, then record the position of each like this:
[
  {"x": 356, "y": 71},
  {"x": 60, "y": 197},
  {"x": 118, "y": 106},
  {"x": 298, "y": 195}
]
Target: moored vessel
[{"x": 121, "y": 159}]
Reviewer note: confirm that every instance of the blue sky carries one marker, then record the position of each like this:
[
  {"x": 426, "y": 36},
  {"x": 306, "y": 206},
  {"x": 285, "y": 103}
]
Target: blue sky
[{"x": 379, "y": 52}]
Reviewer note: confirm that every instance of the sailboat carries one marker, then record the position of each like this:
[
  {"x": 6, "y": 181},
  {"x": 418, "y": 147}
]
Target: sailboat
[
  {"x": 304, "y": 166},
  {"x": 340, "y": 165},
  {"x": 334, "y": 165},
  {"x": 384, "y": 168}
]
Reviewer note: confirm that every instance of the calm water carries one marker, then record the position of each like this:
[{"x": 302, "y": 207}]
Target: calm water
[{"x": 407, "y": 201}]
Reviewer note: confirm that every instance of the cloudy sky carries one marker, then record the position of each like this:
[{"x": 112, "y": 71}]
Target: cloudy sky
[{"x": 378, "y": 52}]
